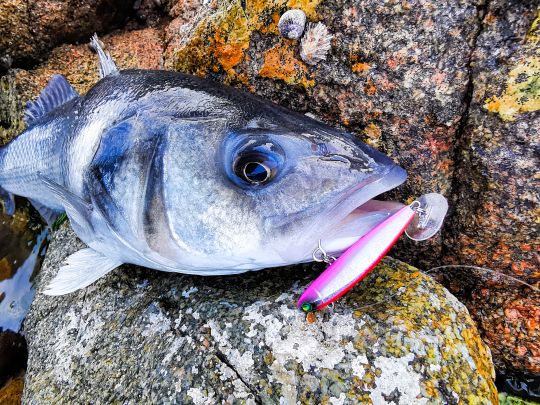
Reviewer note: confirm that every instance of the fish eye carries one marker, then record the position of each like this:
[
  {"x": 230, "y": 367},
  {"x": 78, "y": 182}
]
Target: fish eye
[{"x": 256, "y": 167}]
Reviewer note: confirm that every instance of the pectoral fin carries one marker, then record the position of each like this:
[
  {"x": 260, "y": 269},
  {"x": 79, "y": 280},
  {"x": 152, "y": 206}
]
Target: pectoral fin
[
  {"x": 81, "y": 269},
  {"x": 78, "y": 210}
]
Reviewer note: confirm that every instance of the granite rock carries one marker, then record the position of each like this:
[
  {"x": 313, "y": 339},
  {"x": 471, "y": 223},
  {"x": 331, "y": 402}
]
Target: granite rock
[
  {"x": 30, "y": 28},
  {"x": 496, "y": 195},
  {"x": 144, "y": 336}
]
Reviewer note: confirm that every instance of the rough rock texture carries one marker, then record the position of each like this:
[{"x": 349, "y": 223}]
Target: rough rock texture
[
  {"x": 498, "y": 163},
  {"x": 151, "y": 337},
  {"x": 30, "y": 28},
  {"x": 430, "y": 83}
]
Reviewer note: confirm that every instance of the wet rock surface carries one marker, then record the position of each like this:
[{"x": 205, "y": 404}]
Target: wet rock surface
[
  {"x": 146, "y": 336},
  {"x": 445, "y": 88}
]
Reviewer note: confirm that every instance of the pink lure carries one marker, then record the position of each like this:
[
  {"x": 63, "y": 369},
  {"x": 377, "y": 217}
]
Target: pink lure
[{"x": 356, "y": 262}]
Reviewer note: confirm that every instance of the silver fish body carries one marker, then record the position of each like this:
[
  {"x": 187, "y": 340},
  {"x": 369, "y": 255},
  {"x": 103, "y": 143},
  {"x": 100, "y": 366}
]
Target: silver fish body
[{"x": 177, "y": 173}]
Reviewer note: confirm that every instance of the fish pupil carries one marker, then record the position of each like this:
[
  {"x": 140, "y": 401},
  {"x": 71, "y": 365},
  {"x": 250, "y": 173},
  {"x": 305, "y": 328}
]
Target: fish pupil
[{"x": 256, "y": 172}]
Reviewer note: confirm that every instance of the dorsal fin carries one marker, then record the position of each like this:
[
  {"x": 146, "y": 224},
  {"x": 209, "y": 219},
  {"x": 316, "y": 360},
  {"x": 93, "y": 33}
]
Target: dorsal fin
[
  {"x": 57, "y": 92},
  {"x": 106, "y": 64}
]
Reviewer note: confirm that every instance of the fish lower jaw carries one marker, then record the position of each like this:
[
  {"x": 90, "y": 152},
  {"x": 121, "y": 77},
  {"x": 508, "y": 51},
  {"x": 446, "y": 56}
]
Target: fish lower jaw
[{"x": 356, "y": 224}]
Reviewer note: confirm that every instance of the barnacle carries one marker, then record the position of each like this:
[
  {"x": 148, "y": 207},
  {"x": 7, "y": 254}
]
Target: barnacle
[
  {"x": 315, "y": 44},
  {"x": 291, "y": 24}
]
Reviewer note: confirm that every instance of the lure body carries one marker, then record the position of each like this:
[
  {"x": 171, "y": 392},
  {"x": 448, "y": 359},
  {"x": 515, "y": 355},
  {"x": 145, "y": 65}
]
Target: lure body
[{"x": 353, "y": 265}]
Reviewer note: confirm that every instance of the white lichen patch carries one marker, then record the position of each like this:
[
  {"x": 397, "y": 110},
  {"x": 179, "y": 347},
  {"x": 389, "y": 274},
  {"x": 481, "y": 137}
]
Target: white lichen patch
[
  {"x": 191, "y": 290},
  {"x": 242, "y": 362},
  {"x": 158, "y": 324},
  {"x": 289, "y": 338},
  {"x": 75, "y": 339},
  {"x": 338, "y": 401},
  {"x": 396, "y": 373},
  {"x": 174, "y": 348},
  {"x": 199, "y": 397},
  {"x": 319, "y": 345}
]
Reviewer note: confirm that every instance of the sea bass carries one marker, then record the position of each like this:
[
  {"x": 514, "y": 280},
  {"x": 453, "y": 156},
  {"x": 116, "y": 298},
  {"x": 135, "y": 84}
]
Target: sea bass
[{"x": 180, "y": 174}]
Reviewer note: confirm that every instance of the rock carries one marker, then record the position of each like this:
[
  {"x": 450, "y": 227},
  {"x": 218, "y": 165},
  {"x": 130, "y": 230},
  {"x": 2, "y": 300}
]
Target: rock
[
  {"x": 11, "y": 393},
  {"x": 498, "y": 228},
  {"x": 29, "y": 29},
  {"x": 14, "y": 355},
  {"x": 423, "y": 81},
  {"x": 149, "y": 337}
]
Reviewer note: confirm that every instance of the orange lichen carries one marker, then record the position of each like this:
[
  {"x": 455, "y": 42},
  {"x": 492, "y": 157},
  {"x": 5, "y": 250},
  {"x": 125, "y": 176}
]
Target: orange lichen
[
  {"x": 280, "y": 63},
  {"x": 370, "y": 88},
  {"x": 311, "y": 317},
  {"x": 308, "y": 6},
  {"x": 361, "y": 67},
  {"x": 220, "y": 40}
]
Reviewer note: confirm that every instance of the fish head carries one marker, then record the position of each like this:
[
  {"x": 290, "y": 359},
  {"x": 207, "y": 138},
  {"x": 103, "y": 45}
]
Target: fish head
[
  {"x": 301, "y": 181},
  {"x": 247, "y": 184}
]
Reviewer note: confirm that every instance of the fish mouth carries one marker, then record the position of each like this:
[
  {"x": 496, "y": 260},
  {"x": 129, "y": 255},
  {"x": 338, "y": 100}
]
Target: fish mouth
[
  {"x": 357, "y": 212},
  {"x": 356, "y": 224},
  {"x": 353, "y": 214}
]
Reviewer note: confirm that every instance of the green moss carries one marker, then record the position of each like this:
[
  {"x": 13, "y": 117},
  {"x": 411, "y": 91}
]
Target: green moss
[{"x": 506, "y": 399}]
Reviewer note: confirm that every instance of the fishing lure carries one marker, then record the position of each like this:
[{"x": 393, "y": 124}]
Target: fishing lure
[{"x": 419, "y": 220}]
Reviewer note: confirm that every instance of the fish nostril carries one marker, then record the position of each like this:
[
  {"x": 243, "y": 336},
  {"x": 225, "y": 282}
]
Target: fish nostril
[{"x": 337, "y": 158}]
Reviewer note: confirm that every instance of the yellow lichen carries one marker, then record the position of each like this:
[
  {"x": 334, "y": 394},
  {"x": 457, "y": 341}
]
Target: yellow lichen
[
  {"x": 419, "y": 295},
  {"x": 533, "y": 36},
  {"x": 219, "y": 41},
  {"x": 522, "y": 93},
  {"x": 522, "y": 90},
  {"x": 373, "y": 134}
]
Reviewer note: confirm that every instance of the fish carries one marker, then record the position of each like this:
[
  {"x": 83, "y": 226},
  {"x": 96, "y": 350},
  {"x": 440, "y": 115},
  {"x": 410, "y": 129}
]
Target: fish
[{"x": 177, "y": 173}]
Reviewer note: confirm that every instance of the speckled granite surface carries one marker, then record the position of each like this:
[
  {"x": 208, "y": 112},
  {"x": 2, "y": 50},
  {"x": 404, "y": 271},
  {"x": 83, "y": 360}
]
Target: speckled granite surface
[
  {"x": 142, "y": 336},
  {"x": 496, "y": 220}
]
